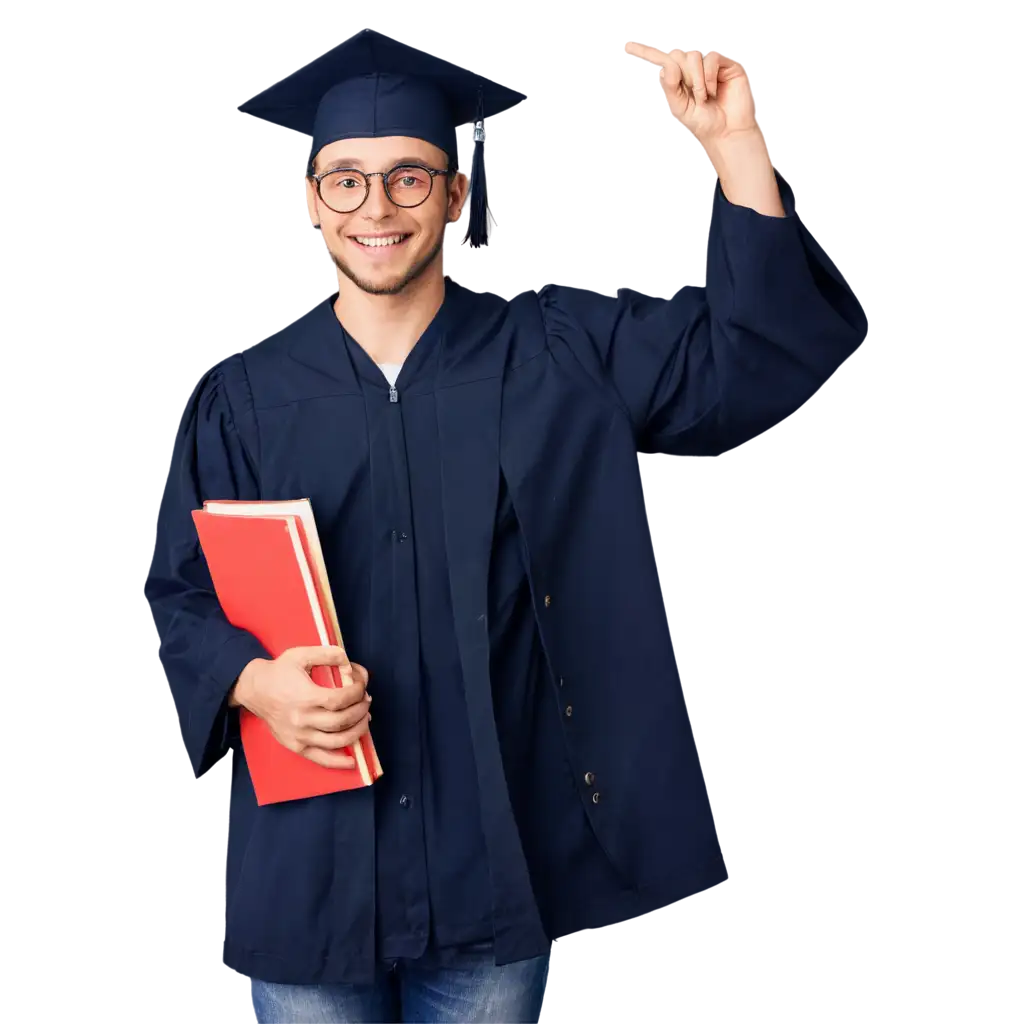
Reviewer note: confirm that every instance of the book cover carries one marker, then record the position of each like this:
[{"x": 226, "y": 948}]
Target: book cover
[{"x": 264, "y": 567}]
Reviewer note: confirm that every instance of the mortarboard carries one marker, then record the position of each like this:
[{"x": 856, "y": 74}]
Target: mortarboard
[{"x": 371, "y": 86}]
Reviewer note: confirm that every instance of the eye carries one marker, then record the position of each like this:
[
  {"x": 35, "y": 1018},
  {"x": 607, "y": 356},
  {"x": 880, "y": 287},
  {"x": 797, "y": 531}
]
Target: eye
[
  {"x": 340, "y": 181},
  {"x": 409, "y": 179}
]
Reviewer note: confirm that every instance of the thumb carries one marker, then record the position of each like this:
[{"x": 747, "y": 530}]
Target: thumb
[{"x": 305, "y": 657}]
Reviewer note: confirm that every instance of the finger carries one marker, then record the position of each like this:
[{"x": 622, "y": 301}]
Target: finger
[
  {"x": 728, "y": 68},
  {"x": 336, "y": 721},
  {"x": 672, "y": 77},
  {"x": 361, "y": 674},
  {"x": 692, "y": 71},
  {"x": 335, "y": 698},
  {"x": 679, "y": 58},
  {"x": 328, "y": 758},
  {"x": 654, "y": 55},
  {"x": 311, "y": 739},
  {"x": 306, "y": 657},
  {"x": 668, "y": 70},
  {"x": 694, "y": 75},
  {"x": 711, "y": 65}
]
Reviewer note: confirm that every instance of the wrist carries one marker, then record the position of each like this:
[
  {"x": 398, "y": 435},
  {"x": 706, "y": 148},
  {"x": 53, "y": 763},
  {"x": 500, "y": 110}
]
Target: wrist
[
  {"x": 746, "y": 173},
  {"x": 240, "y": 694},
  {"x": 737, "y": 149}
]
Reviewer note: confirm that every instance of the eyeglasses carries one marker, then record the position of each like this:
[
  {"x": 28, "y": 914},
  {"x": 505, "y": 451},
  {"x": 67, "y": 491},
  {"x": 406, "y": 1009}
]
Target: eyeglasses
[{"x": 344, "y": 189}]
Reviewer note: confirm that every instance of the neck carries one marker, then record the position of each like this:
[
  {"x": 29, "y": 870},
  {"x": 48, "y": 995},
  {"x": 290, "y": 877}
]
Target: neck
[{"x": 388, "y": 326}]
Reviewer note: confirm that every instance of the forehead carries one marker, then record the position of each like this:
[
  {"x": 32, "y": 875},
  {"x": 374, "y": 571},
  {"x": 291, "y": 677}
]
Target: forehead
[{"x": 379, "y": 153}]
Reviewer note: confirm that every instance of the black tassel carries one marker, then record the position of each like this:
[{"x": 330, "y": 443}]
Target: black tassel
[{"x": 479, "y": 214}]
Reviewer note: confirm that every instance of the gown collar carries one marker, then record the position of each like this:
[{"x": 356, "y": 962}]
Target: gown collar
[
  {"x": 457, "y": 347},
  {"x": 419, "y": 370}
]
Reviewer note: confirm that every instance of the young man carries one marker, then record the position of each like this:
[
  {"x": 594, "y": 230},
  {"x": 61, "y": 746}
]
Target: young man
[{"x": 472, "y": 465}]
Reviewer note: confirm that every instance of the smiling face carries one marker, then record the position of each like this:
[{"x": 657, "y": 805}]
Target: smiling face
[{"x": 389, "y": 268}]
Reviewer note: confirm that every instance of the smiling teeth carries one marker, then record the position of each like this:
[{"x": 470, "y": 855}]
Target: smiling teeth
[{"x": 376, "y": 242}]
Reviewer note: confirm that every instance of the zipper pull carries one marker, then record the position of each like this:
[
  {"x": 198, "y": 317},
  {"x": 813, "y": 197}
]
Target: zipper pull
[{"x": 393, "y": 393}]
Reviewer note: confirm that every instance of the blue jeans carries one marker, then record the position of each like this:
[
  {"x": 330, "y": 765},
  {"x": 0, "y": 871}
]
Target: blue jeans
[{"x": 473, "y": 989}]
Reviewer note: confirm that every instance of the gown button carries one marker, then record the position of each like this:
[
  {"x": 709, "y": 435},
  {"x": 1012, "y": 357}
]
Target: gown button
[
  {"x": 589, "y": 778},
  {"x": 568, "y": 711},
  {"x": 596, "y": 797},
  {"x": 404, "y": 800},
  {"x": 547, "y": 600}
]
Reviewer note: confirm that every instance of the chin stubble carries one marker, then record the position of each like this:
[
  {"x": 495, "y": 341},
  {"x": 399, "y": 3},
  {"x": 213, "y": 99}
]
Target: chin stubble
[{"x": 413, "y": 272}]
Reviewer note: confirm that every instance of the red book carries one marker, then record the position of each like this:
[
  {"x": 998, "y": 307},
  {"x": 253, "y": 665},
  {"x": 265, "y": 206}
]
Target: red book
[{"x": 267, "y": 568}]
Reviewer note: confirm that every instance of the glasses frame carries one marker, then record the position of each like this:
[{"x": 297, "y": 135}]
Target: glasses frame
[{"x": 383, "y": 175}]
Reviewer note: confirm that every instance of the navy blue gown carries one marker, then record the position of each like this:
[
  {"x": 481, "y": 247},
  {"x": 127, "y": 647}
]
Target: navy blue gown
[{"x": 484, "y": 531}]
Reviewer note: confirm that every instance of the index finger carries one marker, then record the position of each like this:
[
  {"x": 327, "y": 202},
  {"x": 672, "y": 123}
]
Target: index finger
[{"x": 651, "y": 53}]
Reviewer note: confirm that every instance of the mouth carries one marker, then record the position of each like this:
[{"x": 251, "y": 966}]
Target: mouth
[{"x": 379, "y": 248}]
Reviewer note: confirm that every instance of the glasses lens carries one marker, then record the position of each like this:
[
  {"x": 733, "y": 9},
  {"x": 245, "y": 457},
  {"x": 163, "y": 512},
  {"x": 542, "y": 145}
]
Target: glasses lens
[
  {"x": 343, "y": 190},
  {"x": 409, "y": 186}
]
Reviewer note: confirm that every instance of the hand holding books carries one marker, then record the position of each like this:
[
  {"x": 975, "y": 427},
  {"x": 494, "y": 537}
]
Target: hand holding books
[
  {"x": 268, "y": 570},
  {"x": 314, "y": 721}
]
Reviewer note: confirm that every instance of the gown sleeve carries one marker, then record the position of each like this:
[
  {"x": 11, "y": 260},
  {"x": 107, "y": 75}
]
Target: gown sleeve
[
  {"x": 201, "y": 652},
  {"x": 712, "y": 367}
]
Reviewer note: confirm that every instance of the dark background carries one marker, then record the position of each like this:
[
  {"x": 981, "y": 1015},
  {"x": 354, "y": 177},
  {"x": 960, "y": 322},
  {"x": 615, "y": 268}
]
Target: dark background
[{"x": 846, "y": 594}]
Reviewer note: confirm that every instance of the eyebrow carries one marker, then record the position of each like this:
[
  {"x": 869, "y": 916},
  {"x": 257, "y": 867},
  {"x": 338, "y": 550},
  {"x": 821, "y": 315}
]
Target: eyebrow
[{"x": 347, "y": 161}]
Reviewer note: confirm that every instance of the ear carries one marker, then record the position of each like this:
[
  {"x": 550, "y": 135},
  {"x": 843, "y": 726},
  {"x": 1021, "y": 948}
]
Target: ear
[
  {"x": 311, "y": 202},
  {"x": 458, "y": 194}
]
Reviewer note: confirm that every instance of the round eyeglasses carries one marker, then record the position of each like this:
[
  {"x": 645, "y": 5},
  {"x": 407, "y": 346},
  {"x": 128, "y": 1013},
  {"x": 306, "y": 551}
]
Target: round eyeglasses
[{"x": 344, "y": 189}]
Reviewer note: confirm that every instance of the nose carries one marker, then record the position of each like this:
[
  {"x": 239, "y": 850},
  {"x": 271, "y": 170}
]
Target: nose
[{"x": 377, "y": 203}]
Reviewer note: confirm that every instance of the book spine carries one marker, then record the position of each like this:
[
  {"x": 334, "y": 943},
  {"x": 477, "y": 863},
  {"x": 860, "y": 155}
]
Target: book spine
[{"x": 357, "y": 748}]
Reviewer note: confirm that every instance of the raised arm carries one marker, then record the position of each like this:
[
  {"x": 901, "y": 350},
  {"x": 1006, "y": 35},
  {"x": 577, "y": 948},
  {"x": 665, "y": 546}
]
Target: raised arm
[{"x": 712, "y": 367}]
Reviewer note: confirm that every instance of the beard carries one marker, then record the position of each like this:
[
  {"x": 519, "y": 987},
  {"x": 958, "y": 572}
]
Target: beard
[{"x": 413, "y": 271}]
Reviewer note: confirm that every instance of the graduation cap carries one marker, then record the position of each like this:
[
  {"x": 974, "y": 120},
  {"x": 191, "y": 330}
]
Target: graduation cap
[{"x": 371, "y": 86}]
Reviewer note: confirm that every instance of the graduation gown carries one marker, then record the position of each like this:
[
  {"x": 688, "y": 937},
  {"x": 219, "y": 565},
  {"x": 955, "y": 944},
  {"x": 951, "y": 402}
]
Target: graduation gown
[{"x": 517, "y": 473}]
